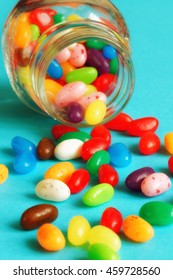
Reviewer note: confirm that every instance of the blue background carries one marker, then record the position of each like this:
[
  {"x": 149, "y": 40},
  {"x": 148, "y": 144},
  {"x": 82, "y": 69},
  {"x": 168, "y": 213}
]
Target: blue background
[{"x": 150, "y": 26}]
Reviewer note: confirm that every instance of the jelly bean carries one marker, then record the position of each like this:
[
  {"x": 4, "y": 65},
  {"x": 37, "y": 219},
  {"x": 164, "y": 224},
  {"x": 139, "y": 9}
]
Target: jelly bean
[
  {"x": 103, "y": 132},
  {"x": 78, "y": 230},
  {"x": 51, "y": 88},
  {"x": 137, "y": 229},
  {"x": 50, "y": 12},
  {"x": 63, "y": 56},
  {"x": 134, "y": 180},
  {"x": 97, "y": 195},
  {"x": 67, "y": 68},
  {"x": 120, "y": 155},
  {"x": 114, "y": 66},
  {"x": 20, "y": 144},
  {"x": 78, "y": 180},
  {"x": 112, "y": 218},
  {"x": 96, "y": 160},
  {"x": 99, "y": 251},
  {"x": 22, "y": 34},
  {"x": 55, "y": 70},
  {"x": 3, "y": 173},
  {"x": 24, "y": 74},
  {"x": 119, "y": 123},
  {"x": 97, "y": 60},
  {"x": 168, "y": 140},
  {"x": 95, "y": 112},
  {"x": 45, "y": 149},
  {"x": 75, "y": 112},
  {"x": 53, "y": 190},
  {"x": 24, "y": 17},
  {"x": 81, "y": 135},
  {"x": 68, "y": 149},
  {"x": 140, "y": 126},
  {"x": 86, "y": 75},
  {"x": 155, "y": 184},
  {"x": 73, "y": 17},
  {"x": 106, "y": 83},
  {"x": 41, "y": 18},
  {"x": 109, "y": 52},
  {"x": 107, "y": 174},
  {"x": 38, "y": 215},
  {"x": 23, "y": 55},
  {"x": 59, "y": 129},
  {"x": 93, "y": 145},
  {"x": 149, "y": 143},
  {"x": 78, "y": 56},
  {"x": 157, "y": 213},
  {"x": 104, "y": 235},
  {"x": 170, "y": 164},
  {"x": 85, "y": 101},
  {"x": 95, "y": 44},
  {"x": 70, "y": 93},
  {"x": 90, "y": 89},
  {"x": 24, "y": 162},
  {"x": 61, "y": 171},
  {"x": 35, "y": 32},
  {"x": 50, "y": 238},
  {"x": 58, "y": 18}
]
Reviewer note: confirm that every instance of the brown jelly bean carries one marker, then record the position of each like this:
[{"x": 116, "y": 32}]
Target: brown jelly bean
[
  {"x": 45, "y": 149},
  {"x": 38, "y": 215}
]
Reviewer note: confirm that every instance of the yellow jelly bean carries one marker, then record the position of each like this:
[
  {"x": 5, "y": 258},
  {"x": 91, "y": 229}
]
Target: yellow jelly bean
[
  {"x": 78, "y": 230},
  {"x": 90, "y": 89},
  {"x": 61, "y": 171},
  {"x": 66, "y": 68},
  {"x": 22, "y": 34},
  {"x": 168, "y": 140},
  {"x": 137, "y": 229},
  {"x": 104, "y": 235},
  {"x": 24, "y": 75},
  {"x": 51, "y": 88},
  {"x": 95, "y": 112},
  {"x": 3, "y": 173},
  {"x": 73, "y": 17},
  {"x": 24, "y": 17},
  {"x": 50, "y": 237}
]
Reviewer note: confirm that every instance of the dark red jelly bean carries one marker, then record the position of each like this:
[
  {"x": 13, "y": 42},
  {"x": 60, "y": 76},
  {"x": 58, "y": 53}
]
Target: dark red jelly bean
[
  {"x": 98, "y": 61},
  {"x": 78, "y": 180},
  {"x": 93, "y": 145},
  {"x": 149, "y": 143},
  {"x": 59, "y": 129},
  {"x": 119, "y": 123},
  {"x": 41, "y": 18},
  {"x": 106, "y": 83},
  {"x": 170, "y": 164},
  {"x": 102, "y": 132},
  {"x": 134, "y": 179},
  {"x": 107, "y": 174},
  {"x": 140, "y": 126},
  {"x": 45, "y": 149},
  {"x": 112, "y": 218}
]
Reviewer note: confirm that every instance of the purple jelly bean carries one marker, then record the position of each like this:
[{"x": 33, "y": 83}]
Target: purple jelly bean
[
  {"x": 134, "y": 179},
  {"x": 75, "y": 112},
  {"x": 97, "y": 60}
]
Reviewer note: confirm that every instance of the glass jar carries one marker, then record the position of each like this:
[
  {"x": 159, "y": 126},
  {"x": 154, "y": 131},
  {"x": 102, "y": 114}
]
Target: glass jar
[{"x": 69, "y": 59}]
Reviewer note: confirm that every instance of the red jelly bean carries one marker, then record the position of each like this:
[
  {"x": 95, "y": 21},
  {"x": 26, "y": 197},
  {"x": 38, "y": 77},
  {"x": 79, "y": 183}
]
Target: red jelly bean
[
  {"x": 93, "y": 145},
  {"x": 140, "y": 126},
  {"x": 41, "y": 18},
  {"x": 78, "y": 180},
  {"x": 170, "y": 164},
  {"x": 112, "y": 219},
  {"x": 119, "y": 123},
  {"x": 102, "y": 132},
  {"x": 107, "y": 174},
  {"x": 59, "y": 129},
  {"x": 149, "y": 143},
  {"x": 106, "y": 83}
]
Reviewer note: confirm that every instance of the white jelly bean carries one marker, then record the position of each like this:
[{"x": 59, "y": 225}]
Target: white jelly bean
[
  {"x": 155, "y": 184},
  {"x": 85, "y": 101},
  {"x": 53, "y": 190},
  {"x": 78, "y": 56},
  {"x": 68, "y": 149}
]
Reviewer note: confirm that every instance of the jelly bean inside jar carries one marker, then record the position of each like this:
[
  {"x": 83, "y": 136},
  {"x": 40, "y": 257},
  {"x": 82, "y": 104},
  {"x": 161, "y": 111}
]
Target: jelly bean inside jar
[{"x": 71, "y": 60}]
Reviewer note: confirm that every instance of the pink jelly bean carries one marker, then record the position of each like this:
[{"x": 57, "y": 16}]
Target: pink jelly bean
[
  {"x": 78, "y": 56},
  {"x": 63, "y": 56},
  {"x": 85, "y": 101},
  {"x": 70, "y": 93}
]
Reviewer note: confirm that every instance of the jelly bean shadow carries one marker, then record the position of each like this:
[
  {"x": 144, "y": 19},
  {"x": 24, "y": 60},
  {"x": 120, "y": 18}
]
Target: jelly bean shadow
[
  {"x": 134, "y": 149},
  {"x": 162, "y": 151},
  {"x": 8, "y": 152},
  {"x": 16, "y": 225},
  {"x": 34, "y": 245}
]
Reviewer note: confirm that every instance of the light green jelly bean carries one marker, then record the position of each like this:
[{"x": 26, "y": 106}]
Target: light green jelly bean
[
  {"x": 35, "y": 32},
  {"x": 86, "y": 75},
  {"x": 114, "y": 65},
  {"x": 99, "y": 251},
  {"x": 95, "y": 44},
  {"x": 98, "y": 195},
  {"x": 80, "y": 135},
  {"x": 97, "y": 159},
  {"x": 157, "y": 213}
]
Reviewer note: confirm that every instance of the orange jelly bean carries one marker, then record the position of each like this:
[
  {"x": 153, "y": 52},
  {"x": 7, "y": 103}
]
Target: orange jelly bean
[
  {"x": 60, "y": 171},
  {"x": 137, "y": 229},
  {"x": 51, "y": 88},
  {"x": 22, "y": 34},
  {"x": 50, "y": 238},
  {"x": 3, "y": 173},
  {"x": 67, "y": 68}
]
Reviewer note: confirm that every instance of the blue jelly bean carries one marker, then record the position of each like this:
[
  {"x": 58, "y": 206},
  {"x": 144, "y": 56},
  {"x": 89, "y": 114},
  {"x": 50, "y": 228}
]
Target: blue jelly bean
[
  {"x": 119, "y": 154},
  {"x": 109, "y": 52},
  {"x": 20, "y": 144},
  {"x": 55, "y": 70},
  {"x": 24, "y": 162}
]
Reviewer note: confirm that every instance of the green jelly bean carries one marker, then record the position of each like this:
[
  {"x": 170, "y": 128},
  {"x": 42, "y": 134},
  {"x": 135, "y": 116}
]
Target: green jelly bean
[
  {"x": 35, "y": 32},
  {"x": 114, "y": 65},
  {"x": 96, "y": 160},
  {"x": 58, "y": 18},
  {"x": 100, "y": 251},
  {"x": 157, "y": 213},
  {"x": 86, "y": 75},
  {"x": 95, "y": 44},
  {"x": 83, "y": 136},
  {"x": 98, "y": 195}
]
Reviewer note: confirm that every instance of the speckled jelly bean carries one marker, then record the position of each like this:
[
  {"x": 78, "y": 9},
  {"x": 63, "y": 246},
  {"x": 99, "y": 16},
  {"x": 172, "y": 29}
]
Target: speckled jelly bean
[
  {"x": 155, "y": 184},
  {"x": 78, "y": 230},
  {"x": 134, "y": 180},
  {"x": 3, "y": 173},
  {"x": 53, "y": 190},
  {"x": 99, "y": 251},
  {"x": 97, "y": 60},
  {"x": 61, "y": 171},
  {"x": 75, "y": 112},
  {"x": 140, "y": 126},
  {"x": 50, "y": 238},
  {"x": 104, "y": 235},
  {"x": 109, "y": 52},
  {"x": 85, "y": 101},
  {"x": 24, "y": 162},
  {"x": 137, "y": 229},
  {"x": 81, "y": 135},
  {"x": 149, "y": 143},
  {"x": 68, "y": 149},
  {"x": 103, "y": 132},
  {"x": 98, "y": 195},
  {"x": 170, "y": 164},
  {"x": 96, "y": 160},
  {"x": 107, "y": 174},
  {"x": 95, "y": 112},
  {"x": 59, "y": 129},
  {"x": 119, "y": 154},
  {"x": 20, "y": 144},
  {"x": 119, "y": 123},
  {"x": 78, "y": 180},
  {"x": 168, "y": 141},
  {"x": 78, "y": 56},
  {"x": 45, "y": 149},
  {"x": 112, "y": 218},
  {"x": 86, "y": 75},
  {"x": 158, "y": 213},
  {"x": 93, "y": 145}
]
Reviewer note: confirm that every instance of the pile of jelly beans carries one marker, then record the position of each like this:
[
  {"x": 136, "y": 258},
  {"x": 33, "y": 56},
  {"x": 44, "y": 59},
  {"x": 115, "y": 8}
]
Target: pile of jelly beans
[{"x": 80, "y": 79}]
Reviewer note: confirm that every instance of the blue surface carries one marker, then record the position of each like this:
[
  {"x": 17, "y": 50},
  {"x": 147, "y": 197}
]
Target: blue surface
[{"x": 150, "y": 25}]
